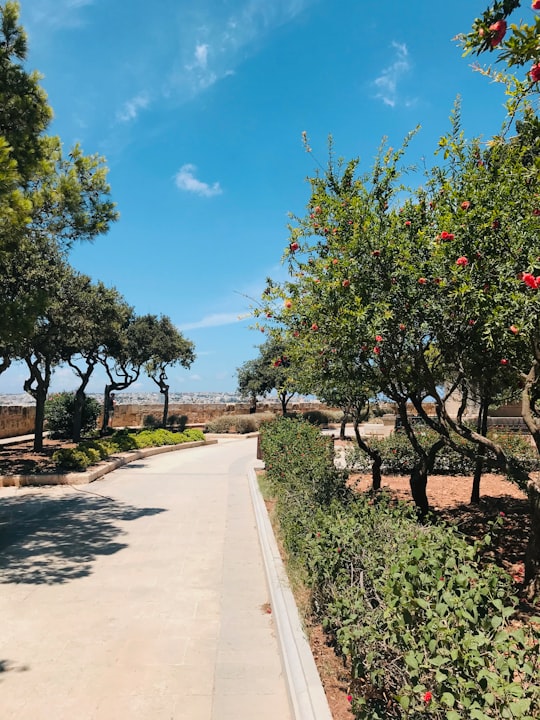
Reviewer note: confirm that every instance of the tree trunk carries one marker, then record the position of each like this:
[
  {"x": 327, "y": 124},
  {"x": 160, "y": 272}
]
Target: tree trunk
[
  {"x": 481, "y": 428},
  {"x": 284, "y": 401},
  {"x": 41, "y": 396},
  {"x": 342, "y": 427},
  {"x": 77, "y": 414},
  {"x": 418, "y": 485},
  {"x": 532, "y": 555},
  {"x": 106, "y": 408},
  {"x": 374, "y": 456},
  {"x": 165, "y": 392},
  {"x": 420, "y": 474}
]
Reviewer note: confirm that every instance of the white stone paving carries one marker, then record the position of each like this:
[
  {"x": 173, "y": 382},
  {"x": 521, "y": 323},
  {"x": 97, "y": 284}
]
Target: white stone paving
[{"x": 140, "y": 596}]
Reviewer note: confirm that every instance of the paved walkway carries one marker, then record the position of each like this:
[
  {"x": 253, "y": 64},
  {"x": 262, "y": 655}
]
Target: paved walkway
[{"x": 140, "y": 596}]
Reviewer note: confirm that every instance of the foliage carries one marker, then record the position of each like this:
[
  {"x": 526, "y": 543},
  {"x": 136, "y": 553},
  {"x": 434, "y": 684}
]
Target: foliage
[
  {"x": 399, "y": 458},
  {"x": 168, "y": 347},
  {"x": 238, "y": 423},
  {"x": 59, "y": 411},
  {"x": 316, "y": 417},
  {"x": 424, "y": 622},
  {"x": 271, "y": 370},
  {"x": 89, "y": 453},
  {"x": 178, "y": 421}
]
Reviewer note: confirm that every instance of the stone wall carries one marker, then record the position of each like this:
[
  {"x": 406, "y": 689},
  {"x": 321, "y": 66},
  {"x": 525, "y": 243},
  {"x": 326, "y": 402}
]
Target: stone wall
[
  {"x": 19, "y": 420},
  {"x": 134, "y": 415}
]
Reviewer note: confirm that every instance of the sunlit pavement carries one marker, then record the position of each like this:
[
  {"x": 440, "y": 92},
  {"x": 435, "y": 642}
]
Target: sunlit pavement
[{"x": 141, "y": 595}]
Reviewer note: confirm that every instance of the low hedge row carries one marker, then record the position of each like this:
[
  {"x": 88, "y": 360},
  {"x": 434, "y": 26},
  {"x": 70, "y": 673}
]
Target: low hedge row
[
  {"x": 398, "y": 456},
  {"x": 425, "y": 622},
  {"x": 91, "y": 452}
]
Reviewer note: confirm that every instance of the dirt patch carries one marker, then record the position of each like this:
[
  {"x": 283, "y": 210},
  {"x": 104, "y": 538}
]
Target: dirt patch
[{"x": 21, "y": 459}]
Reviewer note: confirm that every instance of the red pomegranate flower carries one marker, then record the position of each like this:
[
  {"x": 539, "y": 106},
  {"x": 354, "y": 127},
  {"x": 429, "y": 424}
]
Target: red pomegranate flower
[
  {"x": 465, "y": 205},
  {"x": 536, "y": 5},
  {"x": 427, "y": 696},
  {"x": 447, "y": 236},
  {"x": 462, "y": 261},
  {"x": 498, "y": 31},
  {"x": 294, "y": 246},
  {"x": 513, "y": 328},
  {"x": 422, "y": 280},
  {"x": 378, "y": 338},
  {"x": 529, "y": 280},
  {"x": 534, "y": 73}
]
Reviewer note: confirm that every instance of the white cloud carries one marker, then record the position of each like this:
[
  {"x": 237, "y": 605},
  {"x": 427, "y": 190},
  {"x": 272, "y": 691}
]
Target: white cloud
[
  {"x": 224, "y": 40},
  {"x": 53, "y": 13},
  {"x": 185, "y": 180},
  {"x": 214, "y": 320},
  {"x": 131, "y": 108},
  {"x": 387, "y": 82}
]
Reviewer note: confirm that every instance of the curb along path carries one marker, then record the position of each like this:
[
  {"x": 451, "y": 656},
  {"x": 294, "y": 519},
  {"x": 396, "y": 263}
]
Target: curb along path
[{"x": 142, "y": 597}]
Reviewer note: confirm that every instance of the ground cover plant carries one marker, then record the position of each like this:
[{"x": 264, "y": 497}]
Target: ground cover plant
[
  {"x": 425, "y": 622},
  {"x": 92, "y": 451}
]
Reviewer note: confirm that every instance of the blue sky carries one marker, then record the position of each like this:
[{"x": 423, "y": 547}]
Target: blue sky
[{"x": 199, "y": 107}]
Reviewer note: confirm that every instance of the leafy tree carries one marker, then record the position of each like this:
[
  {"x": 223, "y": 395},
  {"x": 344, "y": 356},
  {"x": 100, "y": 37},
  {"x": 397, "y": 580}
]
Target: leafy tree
[
  {"x": 47, "y": 199},
  {"x": 168, "y": 348},
  {"x": 49, "y": 343},
  {"x": 99, "y": 312},
  {"x": 60, "y": 410},
  {"x": 271, "y": 370},
  {"x": 124, "y": 355}
]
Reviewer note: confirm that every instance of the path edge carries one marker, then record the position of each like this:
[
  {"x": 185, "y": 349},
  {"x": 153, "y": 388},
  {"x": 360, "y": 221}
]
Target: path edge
[{"x": 306, "y": 693}]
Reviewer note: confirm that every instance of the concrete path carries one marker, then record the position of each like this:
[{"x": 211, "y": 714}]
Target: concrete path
[{"x": 140, "y": 596}]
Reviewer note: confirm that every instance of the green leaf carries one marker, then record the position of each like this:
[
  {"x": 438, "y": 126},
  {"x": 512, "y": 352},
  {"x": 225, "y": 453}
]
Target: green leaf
[{"x": 448, "y": 699}]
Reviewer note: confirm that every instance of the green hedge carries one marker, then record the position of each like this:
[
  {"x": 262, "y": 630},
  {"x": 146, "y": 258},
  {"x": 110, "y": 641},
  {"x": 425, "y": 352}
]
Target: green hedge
[
  {"x": 238, "y": 423},
  {"x": 90, "y": 452},
  {"x": 398, "y": 457},
  {"x": 426, "y": 624}
]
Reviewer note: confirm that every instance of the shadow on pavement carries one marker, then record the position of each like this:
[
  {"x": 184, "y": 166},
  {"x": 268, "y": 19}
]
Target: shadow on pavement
[
  {"x": 54, "y": 540},
  {"x": 7, "y": 665}
]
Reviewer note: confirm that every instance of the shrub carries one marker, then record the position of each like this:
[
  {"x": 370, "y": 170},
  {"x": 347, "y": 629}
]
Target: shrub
[
  {"x": 425, "y": 622},
  {"x": 178, "y": 421},
  {"x": 398, "y": 456},
  {"x": 59, "y": 414},
  {"x": 150, "y": 421},
  {"x": 72, "y": 459},
  {"x": 238, "y": 423},
  {"x": 316, "y": 417},
  {"x": 91, "y": 452}
]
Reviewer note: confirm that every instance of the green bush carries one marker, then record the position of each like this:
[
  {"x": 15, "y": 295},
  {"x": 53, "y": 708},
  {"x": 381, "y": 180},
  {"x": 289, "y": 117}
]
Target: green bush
[
  {"x": 59, "y": 414},
  {"x": 424, "y": 621},
  {"x": 316, "y": 417},
  {"x": 398, "y": 457},
  {"x": 238, "y": 423},
  {"x": 103, "y": 447},
  {"x": 92, "y": 451},
  {"x": 178, "y": 421},
  {"x": 72, "y": 459}
]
